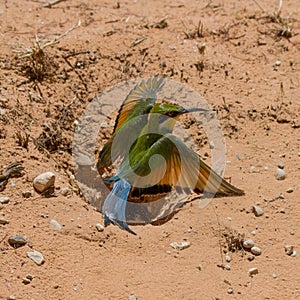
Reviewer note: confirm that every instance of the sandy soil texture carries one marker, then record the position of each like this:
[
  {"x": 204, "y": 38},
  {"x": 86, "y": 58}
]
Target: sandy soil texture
[{"x": 243, "y": 57}]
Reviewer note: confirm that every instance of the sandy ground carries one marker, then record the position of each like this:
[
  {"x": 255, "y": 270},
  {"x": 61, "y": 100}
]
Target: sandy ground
[{"x": 244, "y": 59}]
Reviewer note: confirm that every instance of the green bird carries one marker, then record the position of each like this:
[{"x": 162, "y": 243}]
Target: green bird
[{"x": 153, "y": 160}]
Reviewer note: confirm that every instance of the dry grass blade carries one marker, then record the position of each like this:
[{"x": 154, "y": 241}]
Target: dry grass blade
[
  {"x": 38, "y": 46},
  {"x": 51, "y": 3}
]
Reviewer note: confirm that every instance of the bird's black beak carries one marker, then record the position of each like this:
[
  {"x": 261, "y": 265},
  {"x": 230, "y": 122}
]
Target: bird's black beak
[{"x": 193, "y": 109}]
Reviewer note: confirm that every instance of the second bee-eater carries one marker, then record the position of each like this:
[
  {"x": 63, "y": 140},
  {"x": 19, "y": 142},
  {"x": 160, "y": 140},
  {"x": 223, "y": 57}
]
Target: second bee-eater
[{"x": 155, "y": 160}]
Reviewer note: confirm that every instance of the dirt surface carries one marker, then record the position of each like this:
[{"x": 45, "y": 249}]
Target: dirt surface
[{"x": 242, "y": 57}]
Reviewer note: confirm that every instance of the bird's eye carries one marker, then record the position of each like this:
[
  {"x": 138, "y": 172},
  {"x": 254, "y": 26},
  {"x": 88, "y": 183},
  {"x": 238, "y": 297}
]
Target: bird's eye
[{"x": 171, "y": 114}]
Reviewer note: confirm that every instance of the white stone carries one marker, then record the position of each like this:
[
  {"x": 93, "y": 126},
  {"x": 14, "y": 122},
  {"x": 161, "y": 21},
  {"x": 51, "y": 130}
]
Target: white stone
[
  {"x": 55, "y": 224},
  {"x": 36, "y": 256},
  {"x": 99, "y": 227},
  {"x": 248, "y": 244},
  {"x": 280, "y": 174},
  {"x": 253, "y": 271},
  {"x": 43, "y": 181},
  {"x": 4, "y": 200},
  {"x": 258, "y": 211},
  {"x": 180, "y": 246},
  {"x": 255, "y": 250}
]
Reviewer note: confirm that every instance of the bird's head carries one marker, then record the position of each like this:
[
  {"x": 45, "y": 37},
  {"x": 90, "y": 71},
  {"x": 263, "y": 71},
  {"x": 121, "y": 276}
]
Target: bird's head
[{"x": 170, "y": 113}]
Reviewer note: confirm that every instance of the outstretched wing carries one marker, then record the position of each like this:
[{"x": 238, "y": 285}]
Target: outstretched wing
[
  {"x": 139, "y": 101},
  {"x": 184, "y": 170}
]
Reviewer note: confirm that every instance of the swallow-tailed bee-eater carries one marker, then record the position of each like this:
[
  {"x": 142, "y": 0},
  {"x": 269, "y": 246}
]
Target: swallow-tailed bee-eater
[{"x": 153, "y": 160}]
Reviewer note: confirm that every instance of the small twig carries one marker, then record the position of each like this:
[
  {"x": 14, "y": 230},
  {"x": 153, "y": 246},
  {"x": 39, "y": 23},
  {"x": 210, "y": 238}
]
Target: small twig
[
  {"x": 77, "y": 73},
  {"x": 3, "y": 238},
  {"x": 137, "y": 41},
  {"x": 258, "y": 4},
  {"x": 226, "y": 107},
  {"x": 51, "y": 3}
]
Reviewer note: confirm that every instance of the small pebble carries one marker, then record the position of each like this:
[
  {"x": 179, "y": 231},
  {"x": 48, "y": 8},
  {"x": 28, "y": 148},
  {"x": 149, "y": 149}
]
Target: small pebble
[
  {"x": 277, "y": 63},
  {"x": 251, "y": 257},
  {"x": 84, "y": 160},
  {"x": 26, "y": 280},
  {"x": 253, "y": 271},
  {"x": 256, "y": 251},
  {"x": 248, "y": 244},
  {"x": 280, "y": 166},
  {"x": 200, "y": 267},
  {"x": 289, "y": 249},
  {"x": 132, "y": 297},
  {"x": 4, "y": 200},
  {"x": 29, "y": 276},
  {"x": 227, "y": 267},
  {"x": 281, "y": 196},
  {"x": 1, "y": 206},
  {"x": 294, "y": 253},
  {"x": 274, "y": 275},
  {"x": 227, "y": 257},
  {"x": 43, "y": 181},
  {"x": 282, "y": 210},
  {"x": 230, "y": 290},
  {"x": 12, "y": 297},
  {"x": 180, "y": 246},
  {"x": 258, "y": 211},
  {"x": 280, "y": 174},
  {"x": 266, "y": 168},
  {"x": 211, "y": 145},
  {"x": 36, "y": 256},
  {"x": 99, "y": 227},
  {"x": 65, "y": 191},
  {"x": 28, "y": 193},
  {"x": 17, "y": 241},
  {"x": 253, "y": 232},
  {"x": 251, "y": 169},
  {"x": 289, "y": 190},
  {"x": 3, "y": 221},
  {"x": 55, "y": 224},
  {"x": 282, "y": 155}
]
